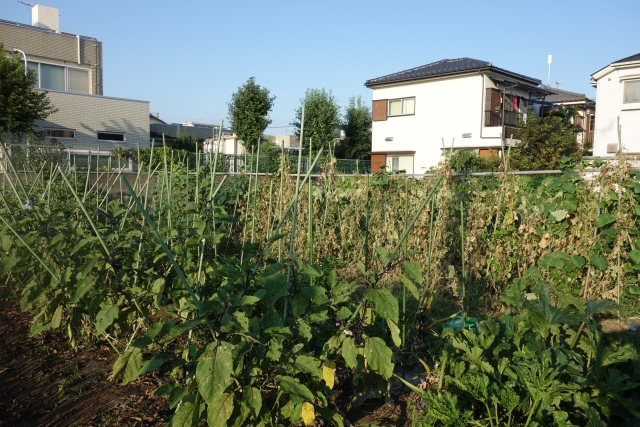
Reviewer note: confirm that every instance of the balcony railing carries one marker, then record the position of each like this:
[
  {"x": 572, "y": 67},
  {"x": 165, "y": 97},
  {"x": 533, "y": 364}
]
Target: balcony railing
[{"x": 494, "y": 118}]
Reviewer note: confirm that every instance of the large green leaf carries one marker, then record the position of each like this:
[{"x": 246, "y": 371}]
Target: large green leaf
[
  {"x": 127, "y": 366},
  {"x": 604, "y": 219},
  {"x": 188, "y": 414},
  {"x": 410, "y": 286},
  {"x": 412, "y": 271},
  {"x": 219, "y": 411},
  {"x": 635, "y": 256},
  {"x": 292, "y": 386},
  {"x": 384, "y": 303},
  {"x": 349, "y": 352},
  {"x": 105, "y": 317},
  {"x": 395, "y": 332},
  {"x": 253, "y": 399},
  {"x": 598, "y": 261},
  {"x": 379, "y": 356},
  {"x": 309, "y": 365},
  {"x": 213, "y": 372}
]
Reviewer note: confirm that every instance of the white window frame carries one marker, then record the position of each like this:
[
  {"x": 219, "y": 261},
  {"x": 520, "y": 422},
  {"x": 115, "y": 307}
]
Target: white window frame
[
  {"x": 60, "y": 137},
  {"x": 66, "y": 75},
  {"x": 124, "y": 136},
  {"x": 403, "y": 113}
]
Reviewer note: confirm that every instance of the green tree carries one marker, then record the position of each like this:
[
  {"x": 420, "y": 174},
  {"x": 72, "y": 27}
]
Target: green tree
[
  {"x": 249, "y": 112},
  {"x": 356, "y": 143},
  {"x": 544, "y": 140},
  {"x": 20, "y": 104},
  {"x": 321, "y": 118}
]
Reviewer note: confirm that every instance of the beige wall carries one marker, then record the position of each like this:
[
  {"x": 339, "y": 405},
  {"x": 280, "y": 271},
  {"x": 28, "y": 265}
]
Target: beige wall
[{"x": 90, "y": 114}]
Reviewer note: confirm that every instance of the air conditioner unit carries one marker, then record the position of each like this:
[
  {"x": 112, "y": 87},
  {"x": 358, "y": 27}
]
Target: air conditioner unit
[{"x": 612, "y": 148}]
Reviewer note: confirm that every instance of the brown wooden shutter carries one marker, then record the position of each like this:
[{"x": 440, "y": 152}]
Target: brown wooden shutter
[
  {"x": 379, "y": 112},
  {"x": 378, "y": 160}
]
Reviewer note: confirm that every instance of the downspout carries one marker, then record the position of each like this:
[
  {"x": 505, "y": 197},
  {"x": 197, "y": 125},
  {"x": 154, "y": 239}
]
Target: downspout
[
  {"x": 24, "y": 57},
  {"x": 78, "y": 38}
]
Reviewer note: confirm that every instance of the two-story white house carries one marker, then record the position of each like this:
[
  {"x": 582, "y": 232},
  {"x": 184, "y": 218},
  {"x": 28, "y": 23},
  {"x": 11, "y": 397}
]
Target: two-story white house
[
  {"x": 618, "y": 96},
  {"x": 471, "y": 101}
]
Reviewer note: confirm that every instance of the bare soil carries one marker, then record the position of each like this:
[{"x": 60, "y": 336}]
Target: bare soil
[{"x": 44, "y": 382}]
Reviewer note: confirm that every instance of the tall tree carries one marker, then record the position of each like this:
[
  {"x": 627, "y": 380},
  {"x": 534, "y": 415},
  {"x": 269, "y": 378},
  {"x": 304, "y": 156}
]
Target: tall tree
[
  {"x": 544, "y": 140},
  {"x": 249, "y": 112},
  {"x": 20, "y": 104},
  {"x": 356, "y": 143},
  {"x": 321, "y": 118}
]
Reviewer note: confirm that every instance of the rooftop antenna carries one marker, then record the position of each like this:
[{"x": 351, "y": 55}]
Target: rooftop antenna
[
  {"x": 558, "y": 84},
  {"x": 549, "y": 72}
]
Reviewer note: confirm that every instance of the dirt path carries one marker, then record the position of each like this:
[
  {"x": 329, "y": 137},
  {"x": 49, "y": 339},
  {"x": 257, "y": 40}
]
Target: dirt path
[{"x": 43, "y": 382}]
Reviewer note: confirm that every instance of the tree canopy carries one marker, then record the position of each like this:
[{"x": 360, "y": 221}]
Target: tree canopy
[
  {"x": 356, "y": 143},
  {"x": 20, "y": 104},
  {"x": 321, "y": 118},
  {"x": 545, "y": 140},
  {"x": 249, "y": 112}
]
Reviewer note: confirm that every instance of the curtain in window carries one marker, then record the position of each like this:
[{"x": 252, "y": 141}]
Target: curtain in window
[
  {"x": 52, "y": 77},
  {"x": 395, "y": 163},
  {"x": 408, "y": 106},
  {"x": 632, "y": 91},
  {"x": 395, "y": 107},
  {"x": 78, "y": 80}
]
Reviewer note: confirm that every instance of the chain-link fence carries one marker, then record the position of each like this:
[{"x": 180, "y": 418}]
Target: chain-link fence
[{"x": 33, "y": 158}]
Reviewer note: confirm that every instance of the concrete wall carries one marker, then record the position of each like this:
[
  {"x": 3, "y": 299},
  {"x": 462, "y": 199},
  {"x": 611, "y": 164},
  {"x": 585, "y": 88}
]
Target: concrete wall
[
  {"x": 609, "y": 99},
  {"x": 44, "y": 43},
  {"x": 90, "y": 114}
]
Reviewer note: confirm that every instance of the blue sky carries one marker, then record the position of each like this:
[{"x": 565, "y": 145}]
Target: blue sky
[{"x": 188, "y": 57}]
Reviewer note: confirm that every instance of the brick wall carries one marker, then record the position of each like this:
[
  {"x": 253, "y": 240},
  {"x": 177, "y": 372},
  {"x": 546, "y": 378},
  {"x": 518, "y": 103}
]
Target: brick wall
[{"x": 90, "y": 114}]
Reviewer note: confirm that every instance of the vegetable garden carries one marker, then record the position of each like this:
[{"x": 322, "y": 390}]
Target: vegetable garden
[{"x": 253, "y": 298}]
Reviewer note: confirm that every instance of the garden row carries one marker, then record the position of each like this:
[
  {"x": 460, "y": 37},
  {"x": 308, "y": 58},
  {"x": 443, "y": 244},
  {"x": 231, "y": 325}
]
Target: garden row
[{"x": 250, "y": 295}]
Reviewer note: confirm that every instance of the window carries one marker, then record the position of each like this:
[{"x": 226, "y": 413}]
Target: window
[
  {"x": 110, "y": 136},
  {"x": 52, "y": 77},
  {"x": 64, "y": 79},
  {"x": 401, "y": 107},
  {"x": 77, "y": 80},
  {"x": 395, "y": 163},
  {"x": 631, "y": 91},
  {"x": 60, "y": 133}
]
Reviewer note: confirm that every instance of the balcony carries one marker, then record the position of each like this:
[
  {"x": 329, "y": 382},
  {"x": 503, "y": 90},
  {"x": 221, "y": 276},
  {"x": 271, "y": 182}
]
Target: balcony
[{"x": 494, "y": 118}]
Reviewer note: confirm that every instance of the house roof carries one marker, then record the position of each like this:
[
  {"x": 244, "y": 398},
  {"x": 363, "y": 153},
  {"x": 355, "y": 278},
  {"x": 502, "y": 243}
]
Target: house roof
[
  {"x": 608, "y": 68},
  {"x": 443, "y": 68},
  {"x": 631, "y": 58},
  {"x": 559, "y": 95}
]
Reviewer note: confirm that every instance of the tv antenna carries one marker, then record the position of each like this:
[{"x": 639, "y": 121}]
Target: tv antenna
[{"x": 558, "y": 84}]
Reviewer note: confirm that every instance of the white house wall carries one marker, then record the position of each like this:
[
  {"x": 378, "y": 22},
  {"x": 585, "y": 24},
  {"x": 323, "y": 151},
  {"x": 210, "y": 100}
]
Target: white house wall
[
  {"x": 609, "y": 98},
  {"x": 443, "y": 109}
]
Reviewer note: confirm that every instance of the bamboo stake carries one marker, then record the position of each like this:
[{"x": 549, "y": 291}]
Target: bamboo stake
[
  {"x": 294, "y": 217},
  {"x": 255, "y": 194}
]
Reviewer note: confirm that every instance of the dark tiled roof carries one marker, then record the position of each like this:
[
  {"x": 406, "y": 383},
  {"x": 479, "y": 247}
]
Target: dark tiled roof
[
  {"x": 559, "y": 95},
  {"x": 631, "y": 58},
  {"x": 444, "y": 67}
]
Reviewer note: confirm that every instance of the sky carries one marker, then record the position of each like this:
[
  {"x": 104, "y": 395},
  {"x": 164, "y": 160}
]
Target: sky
[{"x": 188, "y": 57}]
